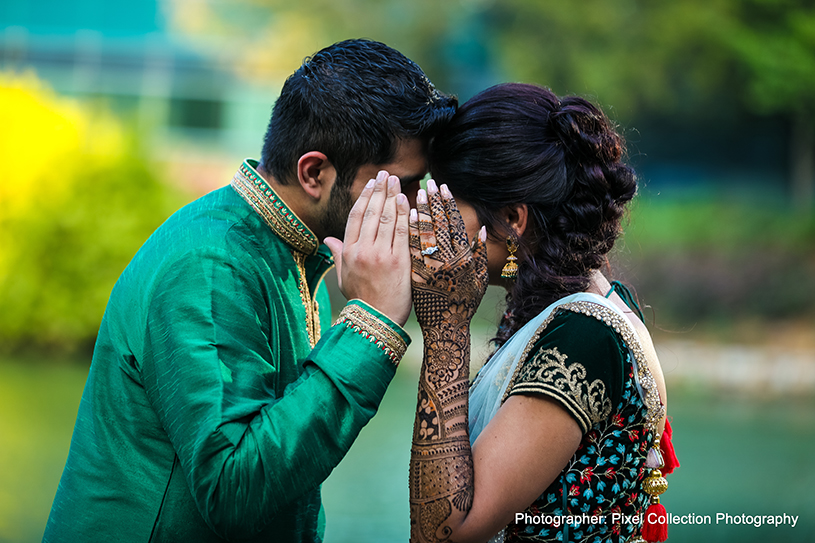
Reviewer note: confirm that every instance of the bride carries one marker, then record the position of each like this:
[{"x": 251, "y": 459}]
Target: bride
[{"x": 562, "y": 435}]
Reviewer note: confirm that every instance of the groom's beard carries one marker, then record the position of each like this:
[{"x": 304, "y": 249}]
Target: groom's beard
[{"x": 333, "y": 221}]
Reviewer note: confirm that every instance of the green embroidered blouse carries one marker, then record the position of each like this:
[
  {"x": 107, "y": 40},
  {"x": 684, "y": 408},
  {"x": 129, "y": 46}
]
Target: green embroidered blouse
[
  {"x": 213, "y": 409},
  {"x": 583, "y": 359}
]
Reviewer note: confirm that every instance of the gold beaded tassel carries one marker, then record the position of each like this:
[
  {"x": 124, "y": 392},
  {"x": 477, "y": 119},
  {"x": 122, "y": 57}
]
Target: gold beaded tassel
[
  {"x": 510, "y": 269},
  {"x": 655, "y": 522}
]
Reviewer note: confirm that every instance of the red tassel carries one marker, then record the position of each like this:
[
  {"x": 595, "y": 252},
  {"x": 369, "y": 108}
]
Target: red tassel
[
  {"x": 667, "y": 449},
  {"x": 655, "y": 523}
]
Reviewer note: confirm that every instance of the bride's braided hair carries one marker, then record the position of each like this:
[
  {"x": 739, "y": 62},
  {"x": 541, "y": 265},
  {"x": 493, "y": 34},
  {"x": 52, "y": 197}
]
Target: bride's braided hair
[{"x": 517, "y": 143}]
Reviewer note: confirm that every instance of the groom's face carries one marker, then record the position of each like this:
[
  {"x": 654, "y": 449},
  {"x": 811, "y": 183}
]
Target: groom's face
[{"x": 409, "y": 164}]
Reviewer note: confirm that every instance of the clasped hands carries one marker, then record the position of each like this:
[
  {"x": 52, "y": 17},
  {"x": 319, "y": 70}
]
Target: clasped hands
[{"x": 392, "y": 255}]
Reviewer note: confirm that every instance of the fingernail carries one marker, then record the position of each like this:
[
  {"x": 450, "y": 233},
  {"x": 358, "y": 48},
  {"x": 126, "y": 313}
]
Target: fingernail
[
  {"x": 392, "y": 180},
  {"x": 382, "y": 175},
  {"x": 431, "y": 187},
  {"x": 445, "y": 191},
  {"x": 421, "y": 197},
  {"x": 370, "y": 183},
  {"x": 483, "y": 234},
  {"x": 401, "y": 198},
  {"x": 414, "y": 215}
]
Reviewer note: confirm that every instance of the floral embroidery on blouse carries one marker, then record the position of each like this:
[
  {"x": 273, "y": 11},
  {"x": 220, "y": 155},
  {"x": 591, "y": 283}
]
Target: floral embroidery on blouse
[{"x": 604, "y": 477}]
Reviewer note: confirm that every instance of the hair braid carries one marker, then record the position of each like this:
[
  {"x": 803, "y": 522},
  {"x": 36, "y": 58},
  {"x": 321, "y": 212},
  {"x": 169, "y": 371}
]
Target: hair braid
[{"x": 517, "y": 143}]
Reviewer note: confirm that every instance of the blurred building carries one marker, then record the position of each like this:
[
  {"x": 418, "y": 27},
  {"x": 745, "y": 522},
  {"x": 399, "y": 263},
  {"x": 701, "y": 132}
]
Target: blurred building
[{"x": 124, "y": 56}]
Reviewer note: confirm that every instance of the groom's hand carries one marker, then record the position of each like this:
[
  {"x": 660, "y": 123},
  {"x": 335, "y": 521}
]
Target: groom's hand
[{"x": 373, "y": 262}]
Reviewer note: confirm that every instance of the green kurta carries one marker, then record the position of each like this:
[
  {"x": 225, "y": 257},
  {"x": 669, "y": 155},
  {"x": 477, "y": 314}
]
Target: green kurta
[{"x": 207, "y": 414}]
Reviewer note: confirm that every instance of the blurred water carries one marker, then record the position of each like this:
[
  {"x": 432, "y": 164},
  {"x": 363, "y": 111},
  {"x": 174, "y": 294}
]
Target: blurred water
[
  {"x": 740, "y": 454},
  {"x": 742, "y": 450}
]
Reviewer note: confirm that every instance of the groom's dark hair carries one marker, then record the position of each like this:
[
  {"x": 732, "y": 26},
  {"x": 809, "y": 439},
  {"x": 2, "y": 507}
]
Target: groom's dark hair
[{"x": 353, "y": 101}]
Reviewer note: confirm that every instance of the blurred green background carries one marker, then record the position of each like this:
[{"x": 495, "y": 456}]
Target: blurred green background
[{"x": 114, "y": 114}]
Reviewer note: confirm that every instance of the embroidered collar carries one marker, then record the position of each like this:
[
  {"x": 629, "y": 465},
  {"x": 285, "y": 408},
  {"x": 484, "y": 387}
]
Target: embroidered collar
[{"x": 274, "y": 211}]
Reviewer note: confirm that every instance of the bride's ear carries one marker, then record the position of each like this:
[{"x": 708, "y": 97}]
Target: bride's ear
[{"x": 516, "y": 217}]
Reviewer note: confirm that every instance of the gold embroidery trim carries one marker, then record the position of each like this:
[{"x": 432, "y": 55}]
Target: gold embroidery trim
[
  {"x": 311, "y": 306},
  {"x": 286, "y": 224},
  {"x": 549, "y": 373},
  {"x": 655, "y": 409},
  {"x": 374, "y": 330},
  {"x": 266, "y": 203}
]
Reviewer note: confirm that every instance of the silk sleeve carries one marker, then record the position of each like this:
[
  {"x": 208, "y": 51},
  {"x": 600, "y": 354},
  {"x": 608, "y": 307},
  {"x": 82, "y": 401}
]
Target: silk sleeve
[{"x": 210, "y": 355}]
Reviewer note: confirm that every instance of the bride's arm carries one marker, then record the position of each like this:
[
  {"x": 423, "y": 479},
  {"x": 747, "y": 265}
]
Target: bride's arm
[
  {"x": 458, "y": 494},
  {"x": 448, "y": 282},
  {"x": 517, "y": 456}
]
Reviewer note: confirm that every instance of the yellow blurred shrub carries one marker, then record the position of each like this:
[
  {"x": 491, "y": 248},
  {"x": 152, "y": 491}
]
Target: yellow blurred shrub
[{"x": 76, "y": 202}]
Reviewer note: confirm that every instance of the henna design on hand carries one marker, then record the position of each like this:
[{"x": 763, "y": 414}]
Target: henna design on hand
[
  {"x": 448, "y": 284},
  {"x": 427, "y": 418}
]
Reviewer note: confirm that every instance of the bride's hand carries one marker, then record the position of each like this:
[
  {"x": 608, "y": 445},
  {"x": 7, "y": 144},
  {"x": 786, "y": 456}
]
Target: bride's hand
[{"x": 449, "y": 277}]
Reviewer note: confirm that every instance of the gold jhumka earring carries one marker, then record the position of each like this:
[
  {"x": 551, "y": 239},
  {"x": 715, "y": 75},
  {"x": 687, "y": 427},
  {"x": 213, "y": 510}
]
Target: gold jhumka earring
[{"x": 510, "y": 269}]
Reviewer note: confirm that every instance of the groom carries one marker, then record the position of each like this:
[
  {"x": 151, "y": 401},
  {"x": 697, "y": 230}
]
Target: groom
[{"x": 220, "y": 395}]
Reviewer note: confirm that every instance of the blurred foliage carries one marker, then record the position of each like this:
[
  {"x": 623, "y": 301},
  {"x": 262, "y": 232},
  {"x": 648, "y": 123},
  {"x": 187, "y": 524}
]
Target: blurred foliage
[
  {"x": 76, "y": 202},
  {"x": 724, "y": 226},
  {"x": 268, "y": 39},
  {"x": 719, "y": 264},
  {"x": 775, "y": 42},
  {"x": 634, "y": 54},
  {"x": 658, "y": 56},
  {"x": 710, "y": 60},
  {"x": 39, "y": 401}
]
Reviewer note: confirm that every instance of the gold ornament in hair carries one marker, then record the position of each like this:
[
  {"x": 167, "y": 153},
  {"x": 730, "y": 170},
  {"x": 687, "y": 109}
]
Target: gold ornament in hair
[{"x": 510, "y": 269}]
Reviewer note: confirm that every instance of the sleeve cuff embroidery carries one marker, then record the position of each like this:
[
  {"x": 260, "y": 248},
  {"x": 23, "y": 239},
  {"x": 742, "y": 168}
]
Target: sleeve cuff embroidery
[{"x": 365, "y": 323}]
